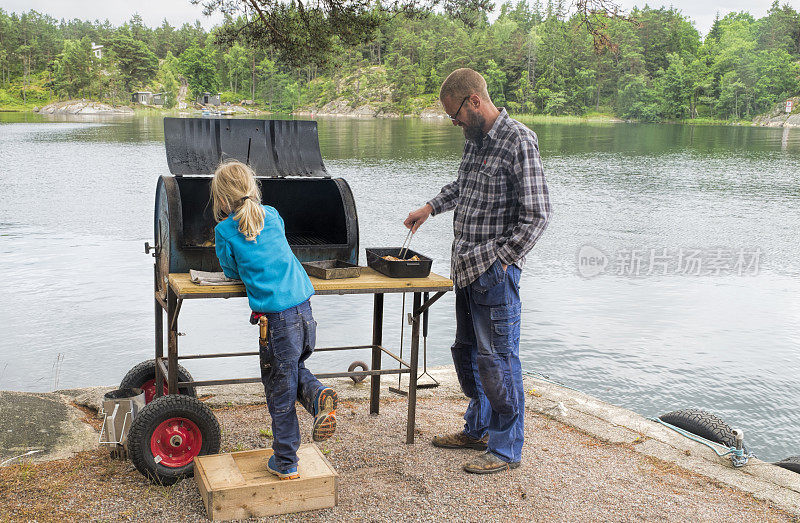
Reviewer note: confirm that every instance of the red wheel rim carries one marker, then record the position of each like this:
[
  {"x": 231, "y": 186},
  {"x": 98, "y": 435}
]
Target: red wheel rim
[
  {"x": 149, "y": 388},
  {"x": 176, "y": 442}
]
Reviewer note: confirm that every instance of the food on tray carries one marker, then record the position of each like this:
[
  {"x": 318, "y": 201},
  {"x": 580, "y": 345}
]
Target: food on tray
[{"x": 395, "y": 258}]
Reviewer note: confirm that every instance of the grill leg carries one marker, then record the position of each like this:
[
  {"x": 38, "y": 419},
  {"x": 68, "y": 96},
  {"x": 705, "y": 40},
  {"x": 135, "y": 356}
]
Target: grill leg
[
  {"x": 159, "y": 335},
  {"x": 412, "y": 377},
  {"x": 377, "y": 340},
  {"x": 173, "y": 309}
]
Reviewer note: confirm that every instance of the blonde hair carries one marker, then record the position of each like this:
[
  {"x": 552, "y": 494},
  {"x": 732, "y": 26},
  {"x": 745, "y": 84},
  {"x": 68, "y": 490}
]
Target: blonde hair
[
  {"x": 462, "y": 83},
  {"x": 235, "y": 192}
]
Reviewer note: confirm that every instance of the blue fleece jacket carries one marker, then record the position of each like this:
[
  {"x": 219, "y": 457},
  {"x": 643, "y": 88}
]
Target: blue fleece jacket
[{"x": 273, "y": 276}]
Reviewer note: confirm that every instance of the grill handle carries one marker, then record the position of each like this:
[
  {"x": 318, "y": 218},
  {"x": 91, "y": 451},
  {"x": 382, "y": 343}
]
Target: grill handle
[{"x": 148, "y": 248}]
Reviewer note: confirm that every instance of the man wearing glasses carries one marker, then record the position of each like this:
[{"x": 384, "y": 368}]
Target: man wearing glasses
[{"x": 501, "y": 208}]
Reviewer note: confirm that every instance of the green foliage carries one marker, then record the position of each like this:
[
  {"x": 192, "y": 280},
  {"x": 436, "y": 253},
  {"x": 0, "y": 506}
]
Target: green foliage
[
  {"x": 637, "y": 99},
  {"x": 237, "y": 67},
  {"x": 496, "y": 80},
  {"x": 135, "y": 61},
  {"x": 653, "y": 67},
  {"x": 72, "y": 71},
  {"x": 167, "y": 80},
  {"x": 198, "y": 65}
]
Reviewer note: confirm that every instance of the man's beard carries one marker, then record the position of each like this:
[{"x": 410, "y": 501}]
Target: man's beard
[{"x": 474, "y": 130}]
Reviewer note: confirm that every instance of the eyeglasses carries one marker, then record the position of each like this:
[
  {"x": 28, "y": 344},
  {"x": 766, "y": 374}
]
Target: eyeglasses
[{"x": 455, "y": 116}]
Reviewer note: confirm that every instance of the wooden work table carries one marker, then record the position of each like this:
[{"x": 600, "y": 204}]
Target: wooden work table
[{"x": 369, "y": 282}]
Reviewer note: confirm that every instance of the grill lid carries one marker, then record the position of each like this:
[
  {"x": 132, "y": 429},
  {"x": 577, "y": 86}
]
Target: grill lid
[{"x": 270, "y": 147}]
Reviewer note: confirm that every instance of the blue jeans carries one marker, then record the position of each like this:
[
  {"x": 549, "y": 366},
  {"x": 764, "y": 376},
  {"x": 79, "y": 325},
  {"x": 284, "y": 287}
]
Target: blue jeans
[
  {"x": 486, "y": 357},
  {"x": 291, "y": 337}
]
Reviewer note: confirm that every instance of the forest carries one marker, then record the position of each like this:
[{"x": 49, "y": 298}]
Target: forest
[{"x": 650, "y": 64}]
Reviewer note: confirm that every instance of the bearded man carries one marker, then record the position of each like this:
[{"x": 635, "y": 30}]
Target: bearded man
[{"x": 501, "y": 208}]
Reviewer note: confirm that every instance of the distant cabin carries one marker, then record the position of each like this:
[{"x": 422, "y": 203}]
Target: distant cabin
[
  {"x": 142, "y": 97},
  {"x": 209, "y": 99},
  {"x": 159, "y": 99},
  {"x": 97, "y": 50}
]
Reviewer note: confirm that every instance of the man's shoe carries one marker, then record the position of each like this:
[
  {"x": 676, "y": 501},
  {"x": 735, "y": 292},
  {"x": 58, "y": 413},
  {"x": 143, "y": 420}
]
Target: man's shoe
[
  {"x": 290, "y": 473},
  {"x": 324, "y": 414},
  {"x": 488, "y": 463},
  {"x": 459, "y": 440}
]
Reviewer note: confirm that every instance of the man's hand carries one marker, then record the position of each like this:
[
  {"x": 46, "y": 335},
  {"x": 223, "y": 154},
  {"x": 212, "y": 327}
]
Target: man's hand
[{"x": 418, "y": 217}]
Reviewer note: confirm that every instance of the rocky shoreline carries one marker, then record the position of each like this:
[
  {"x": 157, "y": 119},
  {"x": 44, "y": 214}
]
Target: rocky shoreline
[
  {"x": 778, "y": 117},
  {"x": 344, "y": 108},
  {"x": 84, "y": 107}
]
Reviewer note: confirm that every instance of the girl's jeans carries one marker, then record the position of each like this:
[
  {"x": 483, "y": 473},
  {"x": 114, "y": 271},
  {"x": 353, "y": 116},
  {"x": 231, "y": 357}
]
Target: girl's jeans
[
  {"x": 292, "y": 334},
  {"x": 486, "y": 357}
]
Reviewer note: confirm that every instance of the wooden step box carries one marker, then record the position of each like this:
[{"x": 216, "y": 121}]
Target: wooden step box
[{"x": 239, "y": 486}]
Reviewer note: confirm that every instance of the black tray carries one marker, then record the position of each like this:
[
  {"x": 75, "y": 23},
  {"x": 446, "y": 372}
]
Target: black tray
[
  {"x": 332, "y": 269},
  {"x": 398, "y": 269}
]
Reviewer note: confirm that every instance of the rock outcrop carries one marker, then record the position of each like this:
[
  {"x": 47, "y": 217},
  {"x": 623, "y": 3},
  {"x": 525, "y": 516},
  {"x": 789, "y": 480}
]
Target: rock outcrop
[
  {"x": 778, "y": 117},
  {"x": 85, "y": 107}
]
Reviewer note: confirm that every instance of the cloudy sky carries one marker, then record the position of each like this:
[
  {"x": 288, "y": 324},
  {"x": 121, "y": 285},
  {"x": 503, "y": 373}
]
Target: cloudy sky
[{"x": 179, "y": 11}]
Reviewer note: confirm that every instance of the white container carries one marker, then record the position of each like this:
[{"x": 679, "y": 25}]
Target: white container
[{"x": 119, "y": 408}]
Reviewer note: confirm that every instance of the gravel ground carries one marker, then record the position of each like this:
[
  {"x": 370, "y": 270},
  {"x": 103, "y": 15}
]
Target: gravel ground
[{"x": 565, "y": 476}]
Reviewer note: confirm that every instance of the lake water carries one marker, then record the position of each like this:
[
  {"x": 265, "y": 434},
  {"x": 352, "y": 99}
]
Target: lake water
[{"x": 697, "y": 305}]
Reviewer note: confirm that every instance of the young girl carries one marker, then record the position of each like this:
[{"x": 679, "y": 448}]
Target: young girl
[{"x": 251, "y": 245}]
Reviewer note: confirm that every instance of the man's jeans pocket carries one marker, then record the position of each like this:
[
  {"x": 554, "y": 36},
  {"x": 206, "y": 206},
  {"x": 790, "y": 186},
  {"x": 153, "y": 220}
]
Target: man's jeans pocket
[
  {"x": 488, "y": 289},
  {"x": 505, "y": 327}
]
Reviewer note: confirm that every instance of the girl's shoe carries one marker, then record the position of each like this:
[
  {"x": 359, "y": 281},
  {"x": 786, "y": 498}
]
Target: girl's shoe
[
  {"x": 324, "y": 414},
  {"x": 290, "y": 473}
]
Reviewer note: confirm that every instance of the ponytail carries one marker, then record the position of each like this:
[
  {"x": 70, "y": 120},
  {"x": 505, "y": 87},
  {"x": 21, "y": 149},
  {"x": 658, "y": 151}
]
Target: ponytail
[
  {"x": 235, "y": 192},
  {"x": 250, "y": 217}
]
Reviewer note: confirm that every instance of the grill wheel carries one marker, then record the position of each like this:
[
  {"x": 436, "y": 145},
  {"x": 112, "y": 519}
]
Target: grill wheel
[
  {"x": 143, "y": 376},
  {"x": 168, "y": 433}
]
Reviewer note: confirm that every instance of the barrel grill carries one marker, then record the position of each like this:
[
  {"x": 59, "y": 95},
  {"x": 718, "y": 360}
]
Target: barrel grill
[{"x": 318, "y": 211}]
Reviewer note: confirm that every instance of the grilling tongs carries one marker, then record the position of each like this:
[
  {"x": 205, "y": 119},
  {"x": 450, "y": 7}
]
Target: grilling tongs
[{"x": 406, "y": 243}]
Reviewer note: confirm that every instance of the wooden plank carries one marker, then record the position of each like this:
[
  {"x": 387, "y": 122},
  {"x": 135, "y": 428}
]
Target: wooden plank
[
  {"x": 279, "y": 498},
  {"x": 369, "y": 282},
  {"x": 221, "y": 472},
  {"x": 252, "y": 464},
  {"x": 202, "y": 485}
]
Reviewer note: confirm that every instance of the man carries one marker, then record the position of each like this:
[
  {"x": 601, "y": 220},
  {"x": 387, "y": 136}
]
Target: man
[{"x": 502, "y": 207}]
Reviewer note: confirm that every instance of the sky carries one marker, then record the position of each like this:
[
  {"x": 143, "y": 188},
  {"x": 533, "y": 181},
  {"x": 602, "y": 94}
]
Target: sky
[{"x": 702, "y": 12}]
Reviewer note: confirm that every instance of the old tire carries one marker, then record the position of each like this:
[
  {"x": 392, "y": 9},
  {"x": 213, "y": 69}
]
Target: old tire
[
  {"x": 353, "y": 366},
  {"x": 168, "y": 433},
  {"x": 703, "y": 424},
  {"x": 792, "y": 463},
  {"x": 143, "y": 376}
]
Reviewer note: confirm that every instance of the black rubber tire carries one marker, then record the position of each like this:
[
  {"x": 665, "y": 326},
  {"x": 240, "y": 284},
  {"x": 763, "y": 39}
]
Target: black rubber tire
[
  {"x": 791, "y": 463},
  {"x": 353, "y": 366},
  {"x": 151, "y": 416},
  {"x": 146, "y": 371},
  {"x": 703, "y": 424}
]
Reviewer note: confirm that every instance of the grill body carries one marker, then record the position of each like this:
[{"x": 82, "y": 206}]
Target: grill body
[{"x": 318, "y": 211}]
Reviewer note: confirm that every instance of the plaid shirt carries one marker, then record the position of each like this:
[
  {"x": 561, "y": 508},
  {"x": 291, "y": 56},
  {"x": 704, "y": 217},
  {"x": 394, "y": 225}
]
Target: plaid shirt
[{"x": 500, "y": 199}]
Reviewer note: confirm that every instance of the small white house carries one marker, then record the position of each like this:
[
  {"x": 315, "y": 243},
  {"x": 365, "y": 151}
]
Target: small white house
[
  {"x": 97, "y": 50},
  {"x": 159, "y": 99},
  {"x": 142, "y": 97},
  {"x": 209, "y": 99}
]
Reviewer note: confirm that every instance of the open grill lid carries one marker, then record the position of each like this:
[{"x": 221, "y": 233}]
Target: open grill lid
[{"x": 273, "y": 148}]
